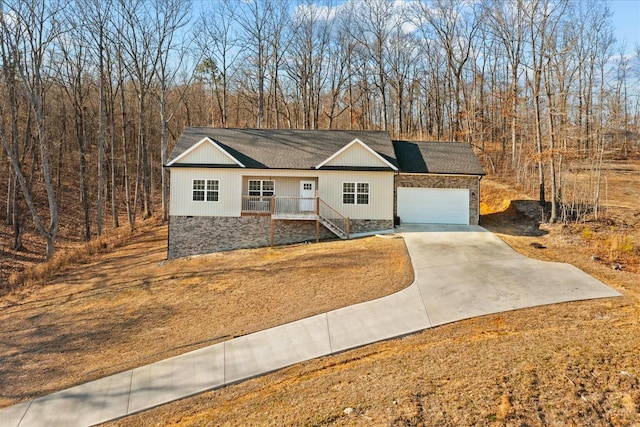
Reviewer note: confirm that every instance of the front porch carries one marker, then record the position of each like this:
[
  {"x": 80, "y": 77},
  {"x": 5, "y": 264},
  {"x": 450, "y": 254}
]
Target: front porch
[
  {"x": 297, "y": 209},
  {"x": 293, "y": 208}
]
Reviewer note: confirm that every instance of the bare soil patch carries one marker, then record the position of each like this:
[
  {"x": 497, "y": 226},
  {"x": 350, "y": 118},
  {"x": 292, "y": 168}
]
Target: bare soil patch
[
  {"x": 564, "y": 364},
  {"x": 130, "y": 307}
]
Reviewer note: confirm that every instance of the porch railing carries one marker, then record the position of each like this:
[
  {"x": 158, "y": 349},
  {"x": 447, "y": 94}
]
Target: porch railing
[
  {"x": 334, "y": 220},
  {"x": 279, "y": 205},
  {"x": 257, "y": 204},
  {"x": 295, "y": 206},
  {"x": 298, "y": 208}
]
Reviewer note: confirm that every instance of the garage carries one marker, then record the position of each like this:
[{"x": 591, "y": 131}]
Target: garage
[{"x": 433, "y": 205}]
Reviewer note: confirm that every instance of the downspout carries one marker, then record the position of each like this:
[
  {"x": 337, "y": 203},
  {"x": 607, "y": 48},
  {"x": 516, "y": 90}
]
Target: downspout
[
  {"x": 168, "y": 226},
  {"x": 396, "y": 218},
  {"x": 479, "y": 179}
]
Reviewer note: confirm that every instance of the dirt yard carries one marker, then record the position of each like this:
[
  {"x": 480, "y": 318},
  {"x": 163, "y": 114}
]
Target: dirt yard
[
  {"x": 565, "y": 364},
  {"x": 129, "y": 307},
  {"x": 571, "y": 364}
]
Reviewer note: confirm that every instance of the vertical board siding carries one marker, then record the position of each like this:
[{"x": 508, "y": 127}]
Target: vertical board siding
[
  {"x": 234, "y": 183},
  {"x": 380, "y": 193},
  {"x": 207, "y": 153},
  {"x": 229, "y": 196},
  {"x": 356, "y": 155}
]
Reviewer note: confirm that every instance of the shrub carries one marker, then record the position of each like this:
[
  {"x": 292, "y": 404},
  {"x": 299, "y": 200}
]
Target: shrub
[
  {"x": 586, "y": 234},
  {"x": 618, "y": 244}
]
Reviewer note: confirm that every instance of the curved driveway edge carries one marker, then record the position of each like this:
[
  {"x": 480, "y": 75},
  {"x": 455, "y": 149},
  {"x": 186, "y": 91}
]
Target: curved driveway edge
[
  {"x": 467, "y": 271},
  {"x": 460, "y": 272}
]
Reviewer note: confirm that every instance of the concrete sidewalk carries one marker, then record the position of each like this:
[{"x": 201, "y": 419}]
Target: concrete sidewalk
[{"x": 460, "y": 272}]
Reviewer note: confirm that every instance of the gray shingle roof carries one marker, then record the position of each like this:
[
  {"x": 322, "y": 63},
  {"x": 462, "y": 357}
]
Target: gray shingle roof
[
  {"x": 305, "y": 149},
  {"x": 437, "y": 157},
  {"x": 284, "y": 149}
]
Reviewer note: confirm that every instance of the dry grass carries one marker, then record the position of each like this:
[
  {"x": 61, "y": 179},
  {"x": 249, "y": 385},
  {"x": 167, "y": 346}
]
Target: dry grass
[
  {"x": 564, "y": 364},
  {"x": 69, "y": 257},
  {"x": 127, "y": 307}
]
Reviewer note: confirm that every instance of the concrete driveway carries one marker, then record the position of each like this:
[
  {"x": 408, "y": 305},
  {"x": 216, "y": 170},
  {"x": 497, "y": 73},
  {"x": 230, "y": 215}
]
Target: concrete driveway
[
  {"x": 460, "y": 272},
  {"x": 466, "y": 271}
]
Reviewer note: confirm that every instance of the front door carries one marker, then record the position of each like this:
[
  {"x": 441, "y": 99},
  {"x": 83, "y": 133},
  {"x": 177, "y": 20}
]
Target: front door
[{"x": 307, "y": 196}]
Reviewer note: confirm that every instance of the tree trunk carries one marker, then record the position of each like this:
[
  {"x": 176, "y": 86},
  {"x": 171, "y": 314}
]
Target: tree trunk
[
  {"x": 84, "y": 196},
  {"x": 125, "y": 156},
  {"x": 163, "y": 154},
  {"x": 100, "y": 140},
  {"x": 144, "y": 154}
]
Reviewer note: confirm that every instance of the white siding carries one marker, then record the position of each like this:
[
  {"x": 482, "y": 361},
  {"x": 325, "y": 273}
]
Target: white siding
[
  {"x": 207, "y": 153},
  {"x": 380, "y": 193},
  {"x": 228, "y": 204},
  {"x": 233, "y": 185},
  {"x": 356, "y": 155},
  {"x": 284, "y": 186}
]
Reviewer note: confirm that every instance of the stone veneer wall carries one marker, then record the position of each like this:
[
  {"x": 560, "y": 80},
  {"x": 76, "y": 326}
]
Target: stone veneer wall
[
  {"x": 369, "y": 225},
  {"x": 203, "y": 234},
  {"x": 287, "y": 232},
  {"x": 470, "y": 182}
]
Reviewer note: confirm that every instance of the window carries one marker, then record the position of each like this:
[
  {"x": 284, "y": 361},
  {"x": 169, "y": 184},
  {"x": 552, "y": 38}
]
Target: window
[
  {"x": 212, "y": 190},
  {"x": 263, "y": 188},
  {"x": 206, "y": 189},
  {"x": 355, "y": 193}
]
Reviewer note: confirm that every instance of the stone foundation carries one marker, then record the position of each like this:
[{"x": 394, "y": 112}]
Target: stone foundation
[
  {"x": 369, "y": 225},
  {"x": 202, "y": 234},
  {"x": 288, "y": 232}
]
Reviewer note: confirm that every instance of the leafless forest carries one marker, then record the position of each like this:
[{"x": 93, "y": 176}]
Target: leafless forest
[{"x": 93, "y": 93}]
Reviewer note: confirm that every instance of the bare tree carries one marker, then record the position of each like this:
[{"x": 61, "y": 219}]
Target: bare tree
[
  {"x": 341, "y": 47},
  {"x": 455, "y": 25},
  {"x": 219, "y": 45},
  {"x": 140, "y": 45},
  {"x": 171, "y": 16},
  {"x": 72, "y": 66},
  {"x": 33, "y": 30},
  {"x": 372, "y": 31},
  {"x": 401, "y": 56},
  {"x": 506, "y": 20},
  {"x": 10, "y": 112},
  {"x": 308, "y": 61},
  {"x": 96, "y": 18},
  {"x": 256, "y": 19}
]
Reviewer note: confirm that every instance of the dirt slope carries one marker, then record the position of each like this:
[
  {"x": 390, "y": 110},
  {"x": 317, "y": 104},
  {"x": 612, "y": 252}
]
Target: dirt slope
[
  {"x": 130, "y": 307},
  {"x": 567, "y": 364}
]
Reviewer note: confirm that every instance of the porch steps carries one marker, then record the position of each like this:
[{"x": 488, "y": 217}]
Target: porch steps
[{"x": 333, "y": 228}]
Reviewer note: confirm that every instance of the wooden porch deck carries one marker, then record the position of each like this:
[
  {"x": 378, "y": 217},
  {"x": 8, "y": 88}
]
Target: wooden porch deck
[{"x": 297, "y": 209}]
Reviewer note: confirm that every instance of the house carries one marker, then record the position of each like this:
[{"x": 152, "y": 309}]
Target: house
[
  {"x": 438, "y": 183},
  {"x": 243, "y": 188}
]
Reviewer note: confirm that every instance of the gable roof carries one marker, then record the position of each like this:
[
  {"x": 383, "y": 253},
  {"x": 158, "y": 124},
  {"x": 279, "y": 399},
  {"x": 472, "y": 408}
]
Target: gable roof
[
  {"x": 282, "y": 148},
  {"x": 356, "y": 143},
  {"x": 311, "y": 149},
  {"x": 221, "y": 153},
  {"x": 453, "y": 158}
]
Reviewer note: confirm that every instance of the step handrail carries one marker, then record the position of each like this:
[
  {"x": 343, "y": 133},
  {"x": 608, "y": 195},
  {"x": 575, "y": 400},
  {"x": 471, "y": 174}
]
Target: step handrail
[{"x": 329, "y": 214}]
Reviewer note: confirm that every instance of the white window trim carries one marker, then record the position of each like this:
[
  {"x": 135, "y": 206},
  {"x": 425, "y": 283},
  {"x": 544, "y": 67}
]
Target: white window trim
[
  {"x": 355, "y": 192},
  {"x": 204, "y": 190},
  {"x": 262, "y": 181}
]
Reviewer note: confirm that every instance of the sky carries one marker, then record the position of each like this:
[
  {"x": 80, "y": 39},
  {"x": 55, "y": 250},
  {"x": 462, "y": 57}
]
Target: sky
[{"x": 626, "y": 21}]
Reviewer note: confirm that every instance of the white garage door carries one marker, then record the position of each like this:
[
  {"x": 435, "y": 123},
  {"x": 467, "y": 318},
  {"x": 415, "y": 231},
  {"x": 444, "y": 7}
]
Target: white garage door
[{"x": 433, "y": 205}]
